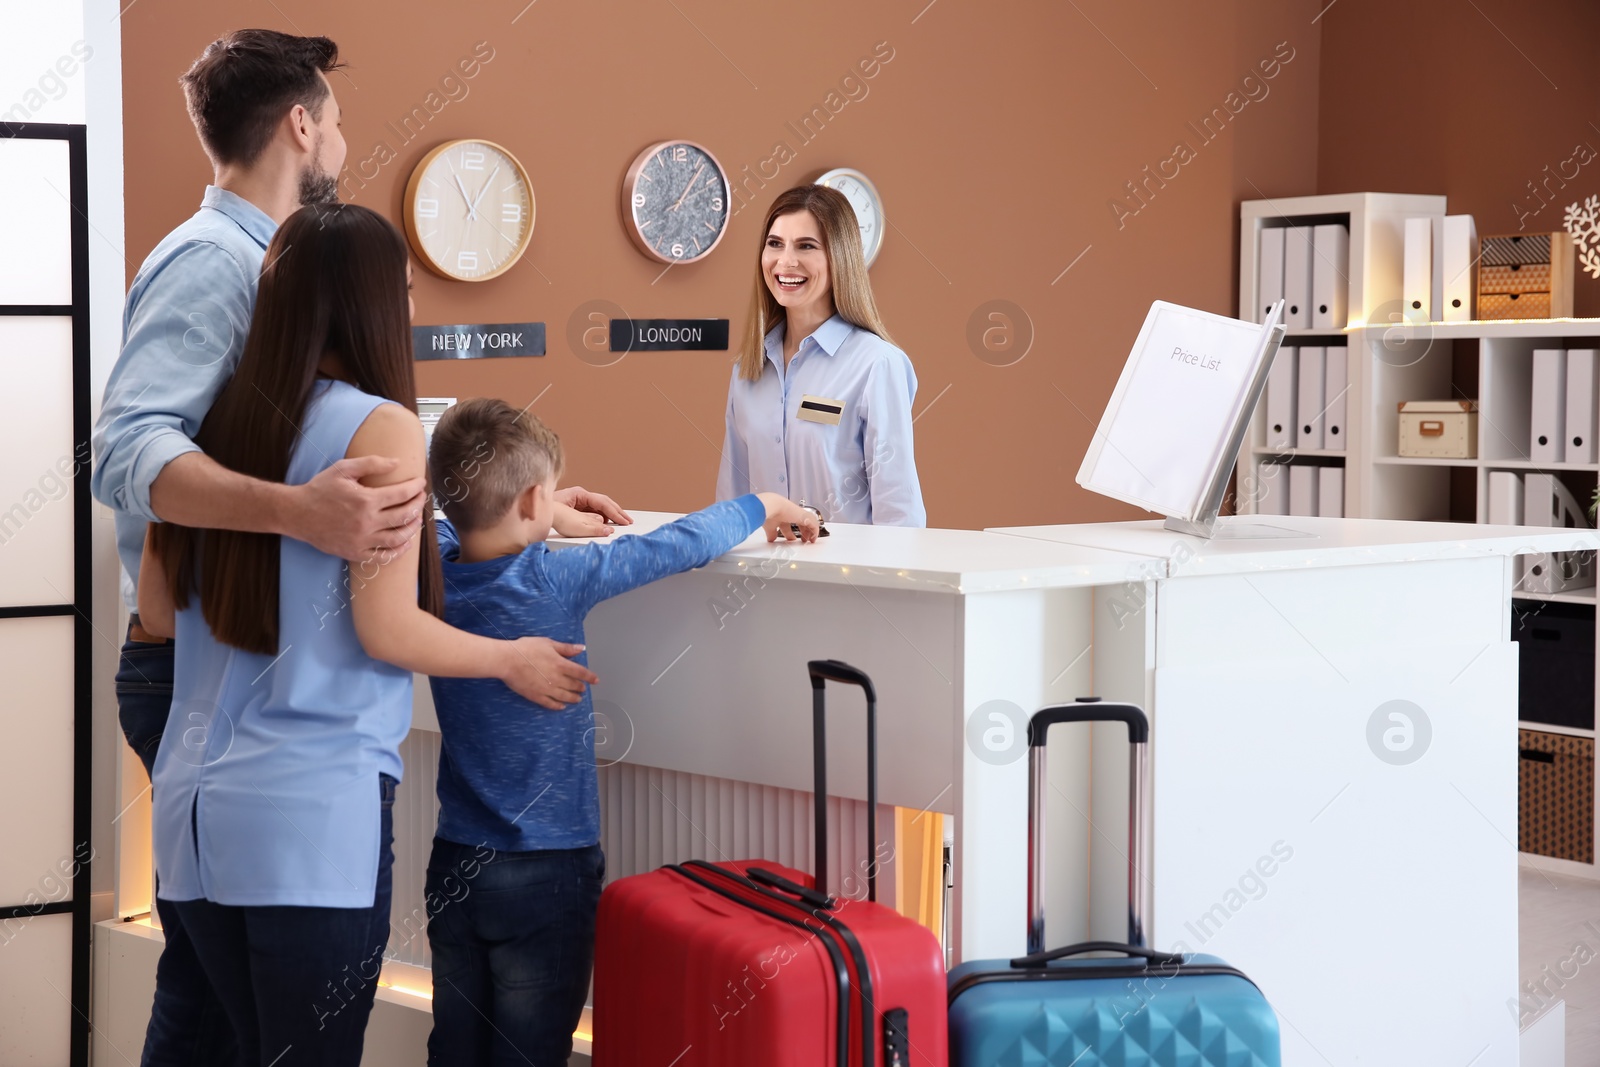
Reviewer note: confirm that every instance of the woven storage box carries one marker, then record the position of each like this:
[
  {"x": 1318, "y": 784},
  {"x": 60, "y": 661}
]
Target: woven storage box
[{"x": 1555, "y": 811}]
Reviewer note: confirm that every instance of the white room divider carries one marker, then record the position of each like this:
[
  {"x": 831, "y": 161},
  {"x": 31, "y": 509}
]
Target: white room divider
[{"x": 45, "y": 580}]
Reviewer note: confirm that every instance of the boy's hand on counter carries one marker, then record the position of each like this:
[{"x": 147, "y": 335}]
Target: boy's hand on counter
[
  {"x": 783, "y": 515},
  {"x": 570, "y": 522},
  {"x": 542, "y": 671},
  {"x": 578, "y": 498}
]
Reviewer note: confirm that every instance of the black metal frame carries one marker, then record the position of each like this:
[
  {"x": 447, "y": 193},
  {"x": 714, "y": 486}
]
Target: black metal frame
[{"x": 83, "y": 576}]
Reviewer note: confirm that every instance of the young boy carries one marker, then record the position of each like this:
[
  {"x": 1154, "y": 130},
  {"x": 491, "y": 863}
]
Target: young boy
[{"x": 516, "y": 861}]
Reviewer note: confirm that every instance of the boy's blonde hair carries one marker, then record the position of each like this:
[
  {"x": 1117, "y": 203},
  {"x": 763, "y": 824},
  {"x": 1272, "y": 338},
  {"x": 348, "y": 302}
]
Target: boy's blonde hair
[{"x": 484, "y": 454}]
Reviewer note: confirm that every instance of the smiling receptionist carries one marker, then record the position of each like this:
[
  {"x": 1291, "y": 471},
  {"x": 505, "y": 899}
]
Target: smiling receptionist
[{"x": 819, "y": 407}]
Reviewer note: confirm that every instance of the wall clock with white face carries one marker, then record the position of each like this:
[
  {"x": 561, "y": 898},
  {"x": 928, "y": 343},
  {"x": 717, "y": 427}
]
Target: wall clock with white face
[
  {"x": 863, "y": 196},
  {"x": 469, "y": 210},
  {"x": 675, "y": 202}
]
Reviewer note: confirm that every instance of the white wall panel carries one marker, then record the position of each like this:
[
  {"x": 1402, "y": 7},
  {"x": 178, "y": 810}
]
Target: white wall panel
[
  {"x": 36, "y": 509},
  {"x": 35, "y": 984},
  {"x": 36, "y": 660},
  {"x": 35, "y": 222},
  {"x": 41, "y": 79}
]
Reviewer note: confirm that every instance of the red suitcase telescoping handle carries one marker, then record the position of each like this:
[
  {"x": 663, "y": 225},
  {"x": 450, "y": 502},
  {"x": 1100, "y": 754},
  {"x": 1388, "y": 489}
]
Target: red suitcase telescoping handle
[
  {"x": 1086, "y": 709},
  {"x": 823, "y": 671}
]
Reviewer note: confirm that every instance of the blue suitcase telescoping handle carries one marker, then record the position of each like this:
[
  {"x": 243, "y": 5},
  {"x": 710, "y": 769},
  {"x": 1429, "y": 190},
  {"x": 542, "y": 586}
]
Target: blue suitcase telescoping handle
[{"x": 1086, "y": 709}]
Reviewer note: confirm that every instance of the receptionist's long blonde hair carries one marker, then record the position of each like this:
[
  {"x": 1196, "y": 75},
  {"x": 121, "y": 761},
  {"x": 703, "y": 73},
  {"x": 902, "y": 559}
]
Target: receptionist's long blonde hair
[{"x": 847, "y": 272}]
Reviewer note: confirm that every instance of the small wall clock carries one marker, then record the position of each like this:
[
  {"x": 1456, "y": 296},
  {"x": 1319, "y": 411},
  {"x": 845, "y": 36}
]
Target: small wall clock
[
  {"x": 469, "y": 210},
  {"x": 863, "y": 196},
  {"x": 675, "y": 202}
]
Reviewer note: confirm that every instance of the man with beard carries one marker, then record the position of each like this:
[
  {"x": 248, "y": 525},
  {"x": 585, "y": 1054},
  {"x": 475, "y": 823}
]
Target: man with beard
[{"x": 268, "y": 121}]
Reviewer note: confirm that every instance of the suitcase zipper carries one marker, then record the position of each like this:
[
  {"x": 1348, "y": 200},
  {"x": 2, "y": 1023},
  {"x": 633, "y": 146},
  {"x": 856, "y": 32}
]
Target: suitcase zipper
[
  {"x": 1048, "y": 974},
  {"x": 841, "y": 971},
  {"x": 846, "y": 936}
]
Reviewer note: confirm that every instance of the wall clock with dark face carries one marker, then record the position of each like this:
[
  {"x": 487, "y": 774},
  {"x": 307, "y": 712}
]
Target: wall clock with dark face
[{"x": 675, "y": 202}]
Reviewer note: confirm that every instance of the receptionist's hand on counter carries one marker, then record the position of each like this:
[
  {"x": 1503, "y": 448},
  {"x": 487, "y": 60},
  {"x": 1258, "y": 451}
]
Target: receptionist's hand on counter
[
  {"x": 590, "y": 504},
  {"x": 784, "y": 517}
]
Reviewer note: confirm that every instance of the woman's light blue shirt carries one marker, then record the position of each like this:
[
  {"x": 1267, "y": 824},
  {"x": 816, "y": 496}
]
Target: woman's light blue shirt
[
  {"x": 266, "y": 782},
  {"x": 862, "y": 469}
]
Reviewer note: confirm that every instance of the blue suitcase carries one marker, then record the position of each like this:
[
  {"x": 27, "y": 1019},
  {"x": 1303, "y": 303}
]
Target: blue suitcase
[{"x": 1135, "y": 1007}]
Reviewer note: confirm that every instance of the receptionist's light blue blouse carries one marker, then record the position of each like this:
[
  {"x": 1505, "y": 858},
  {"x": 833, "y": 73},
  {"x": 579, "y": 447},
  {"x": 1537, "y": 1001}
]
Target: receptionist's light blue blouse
[{"x": 861, "y": 468}]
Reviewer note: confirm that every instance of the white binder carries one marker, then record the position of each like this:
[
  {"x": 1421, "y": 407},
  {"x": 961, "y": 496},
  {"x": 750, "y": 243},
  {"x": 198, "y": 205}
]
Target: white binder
[
  {"x": 1547, "y": 425},
  {"x": 1302, "y": 490},
  {"x": 1269, "y": 271},
  {"x": 1309, "y": 414},
  {"x": 1297, "y": 277},
  {"x": 1416, "y": 285},
  {"x": 1336, "y": 386},
  {"x": 1538, "y": 499},
  {"x": 1456, "y": 260},
  {"x": 1505, "y": 498},
  {"x": 1580, "y": 404},
  {"x": 1282, "y": 386},
  {"x": 1330, "y": 492},
  {"x": 1272, "y": 489},
  {"x": 1330, "y": 267}
]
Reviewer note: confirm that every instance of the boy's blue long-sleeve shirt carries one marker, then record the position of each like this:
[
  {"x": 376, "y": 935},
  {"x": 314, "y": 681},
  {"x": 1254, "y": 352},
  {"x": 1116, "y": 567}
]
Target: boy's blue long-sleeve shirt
[{"x": 513, "y": 775}]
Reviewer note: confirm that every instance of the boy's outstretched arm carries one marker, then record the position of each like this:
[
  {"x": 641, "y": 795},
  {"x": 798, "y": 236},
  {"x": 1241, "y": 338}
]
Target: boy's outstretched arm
[{"x": 588, "y": 574}]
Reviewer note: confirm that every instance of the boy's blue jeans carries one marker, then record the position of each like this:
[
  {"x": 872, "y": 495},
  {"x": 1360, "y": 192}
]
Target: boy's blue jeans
[{"x": 512, "y": 935}]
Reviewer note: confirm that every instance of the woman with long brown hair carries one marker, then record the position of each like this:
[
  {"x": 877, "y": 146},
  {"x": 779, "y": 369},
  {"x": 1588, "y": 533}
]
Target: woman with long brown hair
[
  {"x": 275, "y": 779},
  {"x": 819, "y": 406}
]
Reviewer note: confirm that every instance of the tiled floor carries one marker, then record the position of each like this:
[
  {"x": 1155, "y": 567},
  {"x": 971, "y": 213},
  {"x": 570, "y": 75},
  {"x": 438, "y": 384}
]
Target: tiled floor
[{"x": 1559, "y": 920}]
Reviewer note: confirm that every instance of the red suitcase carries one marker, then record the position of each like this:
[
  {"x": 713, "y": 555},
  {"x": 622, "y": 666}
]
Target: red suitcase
[{"x": 702, "y": 964}]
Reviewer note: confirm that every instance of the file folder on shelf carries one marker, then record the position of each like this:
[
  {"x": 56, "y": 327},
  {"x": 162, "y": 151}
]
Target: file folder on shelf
[
  {"x": 1330, "y": 492},
  {"x": 1269, "y": 271},
  {"x": 1282, "y": 390},
  {"x": 1336, "y": 387},
  {"x": 1416, "y": 286},
  {"x": 1456, "y": 260},
  {"x": 1580, "y": 404},
  {"x": 1309, "y": 404},
  {"x": 1548, "y": 502},
  {"x": 1505, "y": 498},
  {"x": 1302, "y": 490},
  {"x": 1297, "y": 277},
  {"x": 1547, "y": 425},
  {"x": 1272, "y": 489},
  {"x": 1330, "y": 267}
]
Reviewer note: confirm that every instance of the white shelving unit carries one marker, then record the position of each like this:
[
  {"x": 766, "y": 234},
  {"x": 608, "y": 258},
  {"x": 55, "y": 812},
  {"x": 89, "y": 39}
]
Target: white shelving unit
[
  {"x": 1390, "y": 361},
  {"x": 1376, "y": 222},
  {"x": 1490, "y": 362}
]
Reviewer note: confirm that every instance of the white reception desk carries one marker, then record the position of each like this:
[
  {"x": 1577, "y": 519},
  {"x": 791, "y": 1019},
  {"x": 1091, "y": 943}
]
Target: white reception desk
[{"x": 1361, "y": 867}]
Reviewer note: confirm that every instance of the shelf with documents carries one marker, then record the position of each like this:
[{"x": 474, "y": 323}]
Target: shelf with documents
[
  {"x": 1391, "y": 361},
  {"x": 1286, "y": 455},
  {"x": 1372, "y": 286},
  {"x": 1424, "y": 461}
]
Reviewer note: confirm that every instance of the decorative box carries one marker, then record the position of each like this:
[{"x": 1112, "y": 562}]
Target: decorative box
[
  {"x": 1526, "y": 276},
  {"x": 1439, "y": 429},
  {"x": 1555, "y": 783}
]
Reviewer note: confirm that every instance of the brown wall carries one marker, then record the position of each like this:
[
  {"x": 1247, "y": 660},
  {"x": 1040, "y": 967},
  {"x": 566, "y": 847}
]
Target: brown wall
[
  {"x": 1487, "y": 102},
  {"x": 998, "y": 136}
]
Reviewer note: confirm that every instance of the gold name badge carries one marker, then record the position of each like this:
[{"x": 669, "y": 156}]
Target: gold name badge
[{"x": 820, "y": 409}]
